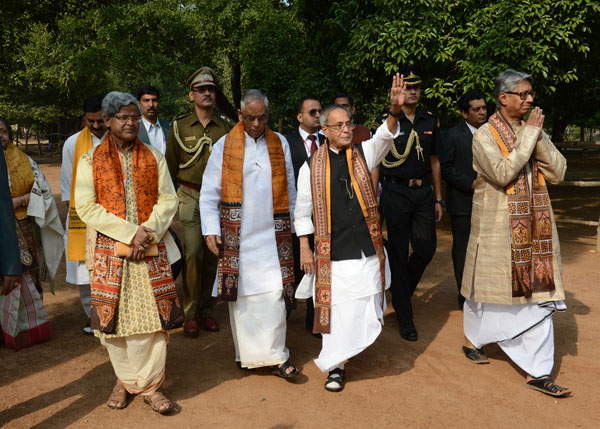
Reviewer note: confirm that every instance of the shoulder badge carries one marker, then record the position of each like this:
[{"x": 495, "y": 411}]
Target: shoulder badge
[
  {"x": 179, "y": 117},
  {"x": 227, "y": 119}
]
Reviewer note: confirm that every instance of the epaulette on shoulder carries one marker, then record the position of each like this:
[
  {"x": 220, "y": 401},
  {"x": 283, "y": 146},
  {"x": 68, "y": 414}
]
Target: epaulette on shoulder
[
  {"x": 176, "y": 118},
  {"x": 378, "y": 121}
]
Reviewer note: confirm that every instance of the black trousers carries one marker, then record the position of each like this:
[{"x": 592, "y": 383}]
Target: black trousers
[
  {"x": 461, "y": 228},
  {"x": 410, "y": 217}
]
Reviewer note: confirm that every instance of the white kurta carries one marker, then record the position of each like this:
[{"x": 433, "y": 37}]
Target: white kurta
[
  {"x": 77, "y": 273},
  {"x": 357, "y": 300},
  {"x": 258, "y": 316},
  {"x": 259, "y": 270}
]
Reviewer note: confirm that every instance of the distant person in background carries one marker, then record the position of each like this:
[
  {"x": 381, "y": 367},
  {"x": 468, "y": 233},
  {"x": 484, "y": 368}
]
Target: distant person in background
[
  {"x": 40, "y": 232},
  {"x": 93, "y": 133},
  {"x": 457, "y": 170},
  {"x": 512, "y": 280},
  {"x": 153, "y": 131},
  {"x": 304, "y": 141},
  {"x": 124, "y": 193}
]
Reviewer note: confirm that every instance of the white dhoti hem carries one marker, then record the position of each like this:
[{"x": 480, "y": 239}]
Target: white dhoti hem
[
  {"x": 524, "y": 332},
  {"x": 258, "y": 327},
  {"x": 139, "y": 360},
  {"x": 355, "y": 325}
]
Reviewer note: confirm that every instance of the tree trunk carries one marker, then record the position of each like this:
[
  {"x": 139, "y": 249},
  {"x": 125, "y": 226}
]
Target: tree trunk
[
  {"x": 559, "y": 125},
  {"x": 236, "y": 83},
  {"x": 37, "y": 135},
  {"x": 581, "y": 133}
]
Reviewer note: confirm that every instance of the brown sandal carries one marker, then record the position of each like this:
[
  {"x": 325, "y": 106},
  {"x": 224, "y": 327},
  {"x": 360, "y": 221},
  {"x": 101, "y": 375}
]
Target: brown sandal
[
  {"x": 158, "y": 402},
  {"x": 120, "y": 395}
]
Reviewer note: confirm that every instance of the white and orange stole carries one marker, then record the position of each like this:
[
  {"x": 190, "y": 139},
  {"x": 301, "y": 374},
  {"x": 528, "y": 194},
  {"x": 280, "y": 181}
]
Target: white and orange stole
[
  {"x": 108, "y": 269},
  {"x": 320, "y": 180},
  {"x": 530, "y": 221},
  {"x": 231, "y": 215}
]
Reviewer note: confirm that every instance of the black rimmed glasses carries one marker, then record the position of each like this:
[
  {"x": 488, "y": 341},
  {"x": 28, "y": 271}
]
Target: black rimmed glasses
[
  {"x": 340, "y": 126},
  {"x": 522, "y": 95}
]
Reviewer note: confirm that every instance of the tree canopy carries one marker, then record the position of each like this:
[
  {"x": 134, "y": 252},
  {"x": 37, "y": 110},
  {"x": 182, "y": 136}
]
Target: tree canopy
[{"x": 57, "y": 52}]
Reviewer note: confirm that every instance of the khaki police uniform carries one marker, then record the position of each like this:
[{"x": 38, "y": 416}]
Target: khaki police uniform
[{"x": 188, "y": 148}]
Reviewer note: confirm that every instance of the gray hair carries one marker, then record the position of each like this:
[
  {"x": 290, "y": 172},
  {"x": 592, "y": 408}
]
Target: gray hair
[
  {"x": 115, "y": 101},
  {"x": 508, "y": 80},
  {"x": 252, "y": 96},
  {"x": 324, "y": 117}
]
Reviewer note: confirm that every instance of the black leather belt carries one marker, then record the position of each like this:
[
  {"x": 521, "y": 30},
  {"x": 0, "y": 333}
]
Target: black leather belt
[{"x": 411, "y": 183}]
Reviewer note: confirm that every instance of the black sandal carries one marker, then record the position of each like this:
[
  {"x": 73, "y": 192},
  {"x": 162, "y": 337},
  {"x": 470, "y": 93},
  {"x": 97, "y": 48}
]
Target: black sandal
[
  {"x": 475, "y": 355},
  {"x": 281, "y": 371},
  {"x": 335, "y": 380},
  {"x": 547, "y": 386}
]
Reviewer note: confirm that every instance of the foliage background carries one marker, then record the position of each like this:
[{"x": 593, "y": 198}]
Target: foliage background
[{"x": 57, "y": 52}]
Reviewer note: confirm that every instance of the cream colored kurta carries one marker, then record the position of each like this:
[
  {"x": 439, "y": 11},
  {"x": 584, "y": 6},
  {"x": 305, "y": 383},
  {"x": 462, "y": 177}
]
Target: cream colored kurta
[
  {"x": 138, "y": 313},
  {"x": 487, "y": 276}
]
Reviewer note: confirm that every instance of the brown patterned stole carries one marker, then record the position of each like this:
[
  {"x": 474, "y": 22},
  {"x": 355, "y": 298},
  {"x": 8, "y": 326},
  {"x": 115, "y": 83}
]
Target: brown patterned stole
[
  {"x": 530, "y": 221},
  {"x": 108, "y": 269},
  {"x": 320, "y": 180},
  {"x": 231, "y": 215}
]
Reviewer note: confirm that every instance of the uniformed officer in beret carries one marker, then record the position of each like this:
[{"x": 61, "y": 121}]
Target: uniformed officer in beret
[
  {"x": 411, "y": 200},
  {"x": 188, "y": 148}
]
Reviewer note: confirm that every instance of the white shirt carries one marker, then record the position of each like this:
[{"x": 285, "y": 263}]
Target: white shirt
[
  {"x": 471, "y": 128},
  {"x": 307, "y": 143},
  {"x": 354, "y": 278},
  {"x": 156, "y": 136},
  {"x": 66, "y": 168},
  {"x": 259, "y": 269}
]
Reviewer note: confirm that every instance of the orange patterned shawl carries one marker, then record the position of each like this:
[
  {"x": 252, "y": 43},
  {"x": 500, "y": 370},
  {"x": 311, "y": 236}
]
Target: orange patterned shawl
[
  {"x": 530, "y": 222},
  {"x": 108, "y": 269},
  {"x": 320, "y": 181},
  {"x": 231, "y": 214}
]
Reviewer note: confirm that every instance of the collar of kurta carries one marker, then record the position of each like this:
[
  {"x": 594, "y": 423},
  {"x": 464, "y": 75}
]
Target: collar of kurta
[
  {"x": 231, "y": 214},
  {"x": 530, "y": 220},
  {"x": 320, "y": 181}
]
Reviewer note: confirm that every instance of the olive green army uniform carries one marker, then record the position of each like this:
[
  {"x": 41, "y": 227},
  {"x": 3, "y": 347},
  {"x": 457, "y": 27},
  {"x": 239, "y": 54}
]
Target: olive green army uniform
[{"x": 188, "y": 148}]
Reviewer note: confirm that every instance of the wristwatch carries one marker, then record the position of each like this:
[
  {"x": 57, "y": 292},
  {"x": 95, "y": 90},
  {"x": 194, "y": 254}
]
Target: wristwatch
[
  {"x": 395, "y": 115},
  {"x": 440, "y": 202}
]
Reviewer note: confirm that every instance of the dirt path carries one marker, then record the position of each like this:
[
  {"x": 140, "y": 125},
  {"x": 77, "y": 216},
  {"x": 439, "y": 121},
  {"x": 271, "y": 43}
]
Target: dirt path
[{"x": 395, "y": 383}]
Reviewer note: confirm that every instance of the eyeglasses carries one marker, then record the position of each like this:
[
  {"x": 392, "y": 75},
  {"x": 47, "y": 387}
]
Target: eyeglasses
[
  {"x": 314, "y": 112},
  {"x": 126, "y": 118},
  {"x": 523, "y": 95},
  {"x": 262, "y": 118},
  {"x": 340, "y": 126}
]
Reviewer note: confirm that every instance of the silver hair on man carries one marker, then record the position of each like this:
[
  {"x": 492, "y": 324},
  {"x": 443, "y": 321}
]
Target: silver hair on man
[
  {"x": 508, "y": 80},
  {"x": 252, "y": 96},
  {"x": 324, "y": 117},
  {"x": 115, "y": 101}
]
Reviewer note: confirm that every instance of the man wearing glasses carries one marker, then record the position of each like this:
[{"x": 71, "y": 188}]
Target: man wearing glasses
[
  {"x": 246, "y": 203},
  {"x": 337, "y": 203},
  {"x": 189, "y": 145},
  {"x": 512, "y": 280},
  {"x": 93, "y": 133},
  {"x": 409, "y": 204},
  {"x": 303, "y": 143}
]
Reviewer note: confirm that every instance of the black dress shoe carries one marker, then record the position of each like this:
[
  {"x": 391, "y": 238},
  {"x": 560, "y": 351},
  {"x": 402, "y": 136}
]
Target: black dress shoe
[{"x": 408, "y": 332}]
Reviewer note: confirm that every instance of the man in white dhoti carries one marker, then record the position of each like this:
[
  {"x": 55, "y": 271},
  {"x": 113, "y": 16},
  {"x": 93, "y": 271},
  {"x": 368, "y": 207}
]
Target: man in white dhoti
[
  {"x": 246, "y": 201},
  {"x": 512, "y": 280},
  {"x": 75, "y": 146},
  {"x": 334, "y": 189}
]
